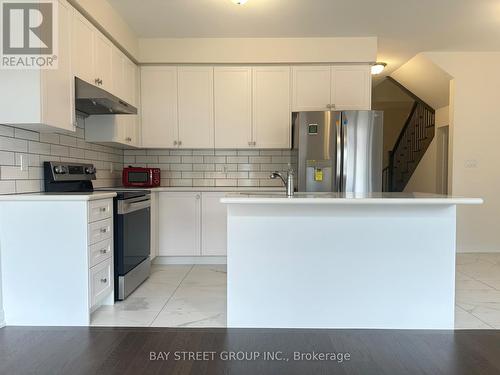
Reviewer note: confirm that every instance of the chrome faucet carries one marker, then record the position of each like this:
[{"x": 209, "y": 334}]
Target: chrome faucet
[{"x": 288, "y": 183}]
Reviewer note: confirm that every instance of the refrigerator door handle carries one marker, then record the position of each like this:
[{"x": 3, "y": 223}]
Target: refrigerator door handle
[
  {"x": 344, "y": 154},
  {"x": 338, "y": 169}
]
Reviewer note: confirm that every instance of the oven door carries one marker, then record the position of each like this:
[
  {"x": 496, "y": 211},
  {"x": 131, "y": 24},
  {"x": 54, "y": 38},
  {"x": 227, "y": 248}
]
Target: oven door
[{"x": 132, "y": 233}]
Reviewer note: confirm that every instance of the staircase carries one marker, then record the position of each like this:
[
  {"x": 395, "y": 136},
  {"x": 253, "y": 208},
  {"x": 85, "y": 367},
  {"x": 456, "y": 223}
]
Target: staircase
[{"x": 411, "y": 145}]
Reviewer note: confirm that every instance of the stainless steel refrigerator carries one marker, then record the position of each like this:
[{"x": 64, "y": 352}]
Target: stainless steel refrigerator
[{"x": 338, "y": 151}]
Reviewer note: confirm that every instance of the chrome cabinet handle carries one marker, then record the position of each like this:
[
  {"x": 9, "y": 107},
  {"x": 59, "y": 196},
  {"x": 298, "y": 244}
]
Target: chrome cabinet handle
[
  {"x": 328, "y": 106},
  {"x": 175, "y": 143},
  {"x": 96, "y": 81},
  {"x": 103, "y": 251},
  {"x": 102, "y": 209},
  {"x": 198, "y": 196},
  {"x": 332, "y": 106},
  {"x": 128, "y": 139},
  {"x": 104, "y": 230},
  {"x": 180, "y": 143},
  {"x": 249, "y": 143},
  {"x": 104, "y": 280}
]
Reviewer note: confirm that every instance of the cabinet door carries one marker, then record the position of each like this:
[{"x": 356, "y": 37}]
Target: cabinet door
[
  {"x": 311, "y": 88},
  {"x": 57, "y": 84},
  {"x": 129, "y": 81},
  {"x": 179, "y": 224},
  {"x": 118, "y": 72},
  {"x": 351, "y": 87},
  {"x": 159, "y": 106},
  {"x": 233, "y": 107},
  {"x": 83, "y": 48},
  {"x": 196, "y": 107},
  {"x": 103, "y": 51},
  {"x": 271, "y": 107},
  {"x": 213, "y": 224}
]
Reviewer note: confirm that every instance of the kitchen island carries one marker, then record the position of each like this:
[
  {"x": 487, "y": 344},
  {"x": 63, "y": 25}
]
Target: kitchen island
[{"x": 329, "y": 260}]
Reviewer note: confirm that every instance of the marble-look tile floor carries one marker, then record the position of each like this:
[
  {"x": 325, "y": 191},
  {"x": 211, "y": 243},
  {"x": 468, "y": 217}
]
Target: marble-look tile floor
[
  {"x": 173, "y": 296},
  {"x": 477, "y": 296},
  {"x": 195, "y": 296}
]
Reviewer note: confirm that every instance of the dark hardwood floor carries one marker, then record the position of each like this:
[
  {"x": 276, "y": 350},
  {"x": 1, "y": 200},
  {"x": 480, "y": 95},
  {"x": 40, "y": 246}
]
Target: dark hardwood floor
[{"x": 32, "y": 350}]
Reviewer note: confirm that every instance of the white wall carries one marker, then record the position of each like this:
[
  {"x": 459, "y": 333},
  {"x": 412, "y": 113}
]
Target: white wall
[
  {"x": 425, "y": 177},
  {"x": 475, "y": 133},
  {"x": 103, "y": 15},
  {"x": 257, "y": 50},
  {"x": 426, "y": 80}
]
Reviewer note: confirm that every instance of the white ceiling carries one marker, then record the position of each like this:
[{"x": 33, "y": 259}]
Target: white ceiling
[{"x": 404, "y": 27}]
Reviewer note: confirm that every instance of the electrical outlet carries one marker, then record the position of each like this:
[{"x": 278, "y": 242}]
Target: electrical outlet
[{"x": 471, "y": 163}]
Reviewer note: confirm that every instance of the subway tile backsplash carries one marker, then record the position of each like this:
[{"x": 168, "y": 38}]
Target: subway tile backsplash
[
  {"x": 207, "y": 168},
  {"x": 39, "y": 147},
  {"x": 189, "y": 168}
]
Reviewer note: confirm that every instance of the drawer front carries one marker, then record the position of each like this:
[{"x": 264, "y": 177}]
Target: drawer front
[
  {"x": 100, "y": 210},
  {"x": 100, "y": 231},
  {"x": 100, "y": 251},
  {"x": 101, "y": 281}
]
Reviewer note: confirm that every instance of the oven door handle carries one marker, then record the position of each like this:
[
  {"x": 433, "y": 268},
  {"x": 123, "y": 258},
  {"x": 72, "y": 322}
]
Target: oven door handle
[{"x": 126, "y": 208}]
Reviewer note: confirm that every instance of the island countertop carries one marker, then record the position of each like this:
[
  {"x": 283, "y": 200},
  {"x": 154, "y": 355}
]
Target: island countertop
[{"x": 349, "y": 199}]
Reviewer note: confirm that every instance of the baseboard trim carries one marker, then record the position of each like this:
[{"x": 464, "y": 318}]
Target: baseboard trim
[{"x": 190, "y": 260}]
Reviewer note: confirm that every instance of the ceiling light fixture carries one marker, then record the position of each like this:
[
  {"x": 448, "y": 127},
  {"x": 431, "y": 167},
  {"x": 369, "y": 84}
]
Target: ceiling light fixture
[
  {"x": 378, "y": 68},
  {"x": 239, "y": 2}
]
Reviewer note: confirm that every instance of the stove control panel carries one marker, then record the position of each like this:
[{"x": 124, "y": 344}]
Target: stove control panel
[{"x": 55, "y": 171}]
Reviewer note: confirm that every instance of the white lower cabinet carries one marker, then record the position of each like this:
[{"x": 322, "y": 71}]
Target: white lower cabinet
[
  {"x": 191, "y": 224},
  {"x": 213, "y": 224},
  {"x": 179, "y": 224},
  {"x": 101, "y": 282},
  {"x": 62, "y": 270},
  {"x": 100, "y": 252}
]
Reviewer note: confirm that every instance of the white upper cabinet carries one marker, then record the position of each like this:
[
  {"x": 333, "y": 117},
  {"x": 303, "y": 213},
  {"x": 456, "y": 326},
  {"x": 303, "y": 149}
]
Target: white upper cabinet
[
  {"x": 233, "y": 107},
  {"x": 336, "y": 87},
  {"x": 130, "y": 77},
  {"x": 103, "y": 71},
  {"x": 242, "y": 107},
  {"x": 124, "y": 76},
  {"x": 118, "y": 73},
  {"x": 94, "y": 56},
  {"x": 83, "y": 48},
  {"x": 58, "y": 107},
  {"x": 271, "y": 107},
  {"x": 122, "y": 129},
  {"x": 42, "y": 99},
  {"x": 351, "y": 87},
  {"x": 311, "y": 87},
  {"x": 159, "y": 106},
  {"x": 196, "y": 107}
]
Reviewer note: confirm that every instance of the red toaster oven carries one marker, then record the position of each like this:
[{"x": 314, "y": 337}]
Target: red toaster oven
[{"x": 141, "y": 177}]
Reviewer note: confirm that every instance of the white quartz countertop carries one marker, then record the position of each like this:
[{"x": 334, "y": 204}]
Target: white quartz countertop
[
  {"x": 348, "y": 198},
  {"x": 58, "y": 196},
  {"x": 202, "y": 189}
]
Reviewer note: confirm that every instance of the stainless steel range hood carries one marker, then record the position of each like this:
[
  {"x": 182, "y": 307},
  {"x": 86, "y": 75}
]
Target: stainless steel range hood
[{"x": 92, "y": 100}]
